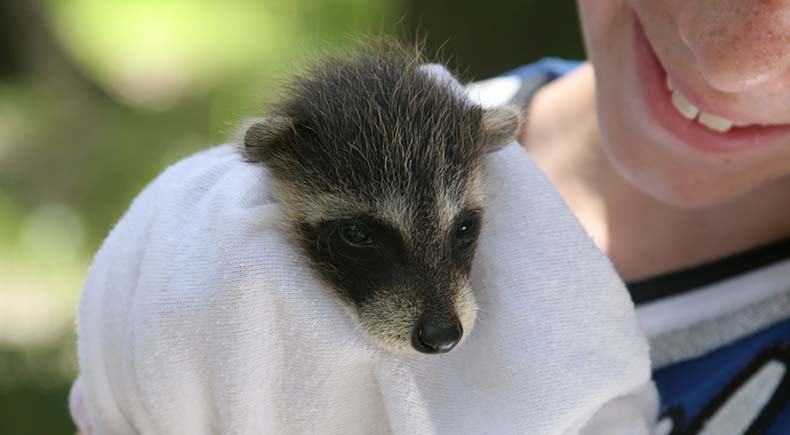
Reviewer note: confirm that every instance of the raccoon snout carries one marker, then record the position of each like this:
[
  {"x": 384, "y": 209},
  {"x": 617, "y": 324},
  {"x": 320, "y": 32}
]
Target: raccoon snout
[{"x": 436, "y": 335}]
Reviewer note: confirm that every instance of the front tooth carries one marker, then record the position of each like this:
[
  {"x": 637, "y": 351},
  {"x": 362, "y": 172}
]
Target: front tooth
[
  {"x": 684, "y": 106},
  {"x": 670, "y": 84},
  {"x": 714, "y": 122}
]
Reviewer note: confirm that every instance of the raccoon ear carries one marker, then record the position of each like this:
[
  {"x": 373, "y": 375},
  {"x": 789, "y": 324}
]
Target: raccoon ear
[
  {"x": 501, "y": 125},
  {"x": 262, "y": 135}
]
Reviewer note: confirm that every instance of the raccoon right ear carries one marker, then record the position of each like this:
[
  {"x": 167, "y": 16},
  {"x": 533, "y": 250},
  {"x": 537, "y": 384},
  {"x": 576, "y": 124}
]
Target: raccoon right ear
[
  {"x": 501, "y": 126},
  {"x": 262, "y": 135}
]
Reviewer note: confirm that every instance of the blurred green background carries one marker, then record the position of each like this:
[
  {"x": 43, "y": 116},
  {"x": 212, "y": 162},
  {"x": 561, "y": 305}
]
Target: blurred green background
[{"x": 98, "y": 96}]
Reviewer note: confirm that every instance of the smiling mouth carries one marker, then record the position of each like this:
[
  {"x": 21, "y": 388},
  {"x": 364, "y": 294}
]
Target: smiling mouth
[
  {"x": 692, "y": 112},
  {"x": 687, "y": 118}
]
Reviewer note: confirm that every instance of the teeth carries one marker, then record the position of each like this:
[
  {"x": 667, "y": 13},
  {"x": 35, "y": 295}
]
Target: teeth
[
  {"x": 670, "y": 84},
  {"x": 714, "y": 122},
  {"x": 690, "y": 111},
  {"x": 683, "y": 105}
]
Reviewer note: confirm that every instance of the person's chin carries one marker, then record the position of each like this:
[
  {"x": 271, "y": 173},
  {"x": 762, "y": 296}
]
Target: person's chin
[
  {"x": 658, "y": 171},
  {"x": 676, "y": 188}
]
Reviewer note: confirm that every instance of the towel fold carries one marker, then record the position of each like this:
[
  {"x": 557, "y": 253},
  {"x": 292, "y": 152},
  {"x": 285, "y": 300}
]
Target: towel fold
[{"x": 199, "y": 316}]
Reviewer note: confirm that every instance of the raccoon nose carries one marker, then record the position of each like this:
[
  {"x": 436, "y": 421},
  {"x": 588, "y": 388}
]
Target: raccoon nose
[{"x": 434, "y": 336}]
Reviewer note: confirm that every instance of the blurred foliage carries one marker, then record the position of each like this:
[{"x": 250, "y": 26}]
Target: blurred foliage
[
  {"x": 487, "y": 38},
  {"x": 34, "y": 387},
  {"x": 97, "y": 97}
]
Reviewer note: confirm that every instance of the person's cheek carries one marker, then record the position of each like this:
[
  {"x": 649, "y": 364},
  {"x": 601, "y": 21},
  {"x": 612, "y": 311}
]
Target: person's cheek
[{"x": 597, "y": 18}]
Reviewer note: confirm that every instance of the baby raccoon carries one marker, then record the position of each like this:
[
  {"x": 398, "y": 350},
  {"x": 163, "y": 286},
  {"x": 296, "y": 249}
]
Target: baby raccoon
[{"x": 376, "y": 160}]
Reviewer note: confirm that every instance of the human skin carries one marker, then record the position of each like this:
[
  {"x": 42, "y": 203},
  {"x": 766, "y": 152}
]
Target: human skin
[{"x": 658, "y": 192}]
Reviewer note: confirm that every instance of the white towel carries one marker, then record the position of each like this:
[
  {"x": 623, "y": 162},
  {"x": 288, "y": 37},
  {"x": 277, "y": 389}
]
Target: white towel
[{"x": 199, "y": 317}]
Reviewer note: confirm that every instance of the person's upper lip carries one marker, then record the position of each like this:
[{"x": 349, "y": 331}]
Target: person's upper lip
[{"x": 711, "y": 105}]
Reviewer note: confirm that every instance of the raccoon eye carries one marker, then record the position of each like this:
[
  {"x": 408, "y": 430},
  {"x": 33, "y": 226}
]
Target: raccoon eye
[
  {"x": 356, "y": 234},
  {"x": 467, "y": 228}
]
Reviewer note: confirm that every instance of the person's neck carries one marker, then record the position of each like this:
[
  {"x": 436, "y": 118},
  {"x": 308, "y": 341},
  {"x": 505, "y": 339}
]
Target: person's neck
[{"x": 641, "y": 235}]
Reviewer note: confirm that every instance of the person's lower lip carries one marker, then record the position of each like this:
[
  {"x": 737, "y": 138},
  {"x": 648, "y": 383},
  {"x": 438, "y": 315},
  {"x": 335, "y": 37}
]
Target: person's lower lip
[{"x": 657, "y": 98}]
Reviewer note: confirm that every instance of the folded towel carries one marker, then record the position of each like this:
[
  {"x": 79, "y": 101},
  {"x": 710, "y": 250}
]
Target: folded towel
[{"x": 199, "y": 316}]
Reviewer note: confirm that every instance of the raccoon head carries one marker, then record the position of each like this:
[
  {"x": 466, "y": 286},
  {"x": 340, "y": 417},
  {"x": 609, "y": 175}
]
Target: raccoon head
[{"x": 378, "y": 168}]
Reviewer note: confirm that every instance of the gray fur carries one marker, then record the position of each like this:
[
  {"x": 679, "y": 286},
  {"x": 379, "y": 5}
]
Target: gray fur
[{"x": 369, "y": 145}]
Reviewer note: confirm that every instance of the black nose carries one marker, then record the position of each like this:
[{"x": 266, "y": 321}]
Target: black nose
[{"x": 433, "y": 335}]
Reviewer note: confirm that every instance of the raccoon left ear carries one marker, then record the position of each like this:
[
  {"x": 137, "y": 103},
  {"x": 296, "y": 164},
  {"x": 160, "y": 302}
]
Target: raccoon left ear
[
  {"x": 262, "y": 135},
  {"x": 501, "y": 125}
]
